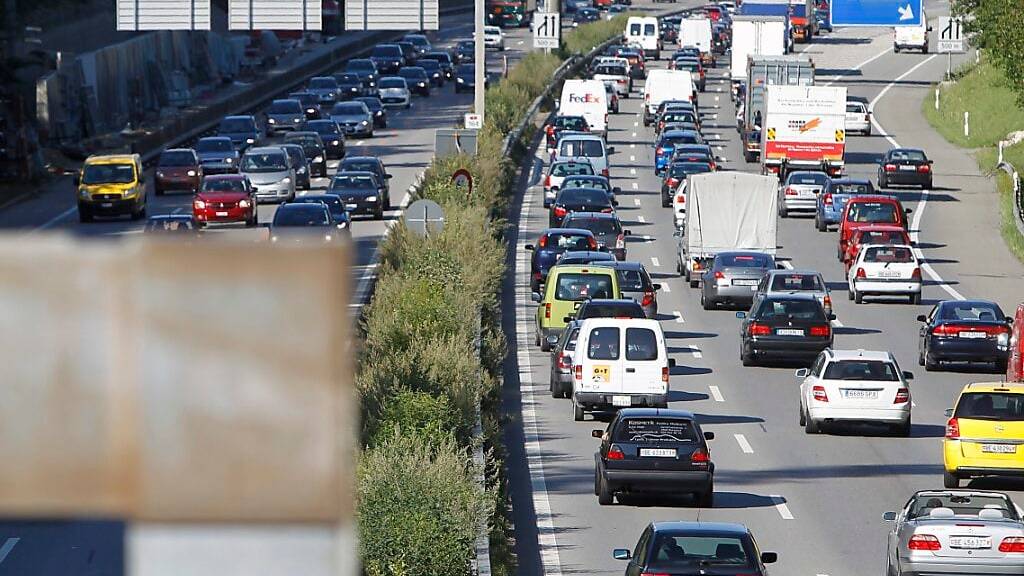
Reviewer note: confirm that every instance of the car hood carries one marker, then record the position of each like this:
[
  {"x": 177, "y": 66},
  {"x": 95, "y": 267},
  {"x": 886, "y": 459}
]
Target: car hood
[
  {"x": 302, "y": 233},
  {"x": 288, "y": 116},
  {"x": 258, "y": 178},
  {"x": 238, "y": 136},
  {"x": 393, "y": 92},
  {"x": 221, "y": 196},
  {"x": 350, "y": 118}
]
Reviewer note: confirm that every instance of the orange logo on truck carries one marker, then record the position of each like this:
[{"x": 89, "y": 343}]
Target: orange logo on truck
[{"x": 810, "y": 125}]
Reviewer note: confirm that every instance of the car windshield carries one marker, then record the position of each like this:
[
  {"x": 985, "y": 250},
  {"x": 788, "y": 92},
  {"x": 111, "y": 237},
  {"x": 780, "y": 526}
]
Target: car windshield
[
  {"x": 108, "y": 174},
  {"x": 596, "y": 183},
  {"x": 214, "y": 145},
  {"x": 991, "y": 406},
  {"x": 850, "y": 188},
  {"x": 599, "y": 226},
  {"x": 611, "y": 310},
  {"x": 412, "y": 73},
  {"x": 392, "y": 83},
  {"x": 681, "y": 169},
  {"x": 170, "y": 225},
  {"x": 862, "y": 370},
  {"x": 285, "y": 107},
  {"x": 582, "y": 196},
  {"x": 352, "y": 181},
  {"x": 585, "y": 148},
  {"x": 348, "y": 109},
  {"x": 675, "y": 552},
  {"x": 688, "y": 65},
  {"x": 572, "y": 169},
  {"x": 223, "y": 185},
  {"x": 323, "y": 84},
  {"x": 912, "y": 155},
  {"x": 808, "y": 178},
  {"x": 791, "y": 309},
  {"x": 177, "y": 158},
  {"x": 681, "y": 116},
  {"x": 349, "y": 79},
  {"x": 962, "y": 504},
  {"x": 390, "y": 51},
  {"x": 296, "y": 156},
  {"x": 466, "y": 70},
  {"x": 305, "y": 98},
  {"x": 644, "y": 430},
  {"x": 322, "y": 128},
  {"x": 743, "y": 261},
  {"x": 889, "y": 254},
  {"x": 307, "y": 142},
  {"x": 881, "y": 212},
  {"x": 430, "y": 65},
  {"x": 573, "y": 286},
  {"x": 301, "y": 215},
  {"x": 236, "y": 125},
  {"x": 797, "y": 283},
  {"x": 264, "y": 162}
]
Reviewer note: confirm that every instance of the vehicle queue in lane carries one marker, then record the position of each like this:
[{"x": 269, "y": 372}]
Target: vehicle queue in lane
[{"x": 864, "y": 385}]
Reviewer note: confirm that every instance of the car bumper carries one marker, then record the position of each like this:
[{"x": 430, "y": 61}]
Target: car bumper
[
  {"x": 907, "y": 178},
  {"x": 603, "y": 400},
  {"x": 986, "y": 465},
  {"x": 658, "y": 480},
  {"x": 928, "y": 566},
  {"x": 224, "y": 215},
  {"x": 883, "y": 287},
  {"x": 109, "y": 207},
  {"x": 732, "y": 293},
  {"x": 358, "y": 130},
  {"x": 967, "y": 349},
  {"x": 858, "y": 126},
  {"x": 797, "y": 204},
  {"x": 785, "y": 347},
  {"x": 819, "y": 413},
  {"x": 284, "y": 126},
  {"x": 271, "y": 193}
]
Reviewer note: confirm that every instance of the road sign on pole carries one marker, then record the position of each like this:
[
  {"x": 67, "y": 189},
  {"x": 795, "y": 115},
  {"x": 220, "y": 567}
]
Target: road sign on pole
[
  {"x": 951, "y": 39},
  {"x": 138, "y": 15},
  {"x": 424, "y": 217},
  {"x": 391, "y": 15},
  {"x": 547, "y": 29},
  {"x": 876, "y": 13}
]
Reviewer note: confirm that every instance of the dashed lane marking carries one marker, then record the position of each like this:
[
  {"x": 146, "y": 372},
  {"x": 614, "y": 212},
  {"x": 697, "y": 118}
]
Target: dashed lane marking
[
  {"x": 636, "y": 201},
  {"x": 716, "y": 393},
  {"x": 744, "y": 445},
  {"x": 679, "y": 316},
  {"x": 655, "y": 262},
  {"x": 780, "y": 505},
  {"x": 641, "y": 219}
]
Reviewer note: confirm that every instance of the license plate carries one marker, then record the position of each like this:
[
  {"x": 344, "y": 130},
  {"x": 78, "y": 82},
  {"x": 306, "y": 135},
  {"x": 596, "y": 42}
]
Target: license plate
[
  {"x": 971, "y": 334},
  {"x": 999, "y": 448},
  {"x": 908, "y": 168},
  {"x": 621, "y": 401},
  {"x": 222, "y": 214},
  {"x": 658, "y": 452},
  {"x": 744, "y": 282},
  {"x": 975, "y": 542},
  {"x": 789, "y": 332},
  {"x": 107, "y": 205},
  {"x": 861, "y": 394},
  {"x": 351, "y": 206},
  {"x": 888, "y": 274}
]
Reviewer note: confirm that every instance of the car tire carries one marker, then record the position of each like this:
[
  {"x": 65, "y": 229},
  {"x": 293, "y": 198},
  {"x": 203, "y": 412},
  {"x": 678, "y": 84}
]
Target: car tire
[
  {"x": 706, "y": 303},
  {"x": 915, "y": 299},
  {"x": 746, "y": 358},
  {"x": 604, "y": 495},
  {"x": 928, "y": 186},
  {"x": 803, "y": 417},
  {"x": 84, "y": 215},
  {"x": 930, "y": 363},
  {"x": 896, "y": 49},
  {"x": 903, "y": 429},
  {"x": 950, "y": 480},
  {"x": 138, "y": 214},
  {"x": 706, "y": 499},
  {"x": 555, "y": 390},
  {"x": 544, "y": 346},
  {"x": 849, "y": 294},
  {"x": 577, "y": 411},
  {"x": 158, "y": 191},
  {"x": 810, "y": 426},
  {"x": 858, "y": 297},
  {"x": 379, "y": 214},
  {"x": 665, "y": 203},
  {"x": 254, "y": 221},
  {"x": 783, "y": 212},
  {"x": 868, "y": 131},
  {"x": 536, "y": 338},
  {"x": 883, "y": 182},
  {"x": 820, "y": 224}
]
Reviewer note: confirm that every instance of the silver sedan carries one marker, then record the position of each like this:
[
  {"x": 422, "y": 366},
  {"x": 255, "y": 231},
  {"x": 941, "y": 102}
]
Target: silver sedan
[
  {"x": 799, "y": 193},
  {"x": 956, "y": 532},
  {"x": 733, "y": 278}
]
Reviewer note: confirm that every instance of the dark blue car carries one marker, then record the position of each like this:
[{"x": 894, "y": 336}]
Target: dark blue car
[
  {"x": 964, "y": 331},
  {"x": 666, "y": 145},
  {"x": 552, "y": 243}
]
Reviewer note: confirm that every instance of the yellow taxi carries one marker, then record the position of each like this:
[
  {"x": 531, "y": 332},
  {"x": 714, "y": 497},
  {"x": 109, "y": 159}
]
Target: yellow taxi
[
  {"x": 111, "y": 185},
  {"x": 567, "y": 286},
  {"x": 985, "y": 433}
]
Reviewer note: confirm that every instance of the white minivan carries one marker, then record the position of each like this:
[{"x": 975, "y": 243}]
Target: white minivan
[
  {"x": 912, "y": 37},
  {"x": 585, "y": 98},
  {"x": 662, "y": 85},
  {"x": 618, "y": 363},
  {"x": 583, "y": 147},
  {"x": 644, "y": 30}
]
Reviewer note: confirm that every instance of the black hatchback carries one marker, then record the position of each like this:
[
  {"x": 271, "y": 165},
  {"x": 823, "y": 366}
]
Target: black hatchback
[
  {"x": 964, "y": 331},
  {"x": 579, "y": 200},
  {"x": 652, "y": 450},
  {"x": 416, "y": 77},
  {"x": 784, "y": 327},
  {"x": 712, "y": 548},
  {"x": 905, "y": 167}
]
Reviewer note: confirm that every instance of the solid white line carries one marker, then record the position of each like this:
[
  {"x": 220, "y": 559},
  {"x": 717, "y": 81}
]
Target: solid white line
[
  {"x": 176, "y": 210},
  {"x": 786, "y": 264},
  {"x": 716, "y": 393},
  {"x": 744, "y": 445},
  {"x": 7, "y": 547},
  {"x": 632, "y": 158},
  {"x": 636, "y": 201},
  {"x": 837, "y": 323},
  {"x": 360, "y": 143},
  {"x": 780, "y": 505},
  {"x": 679, "y": 316},
  {"x": 654, "y": 260},
  {"x": 635, "y": 124},
  {"x": 634, "y": 134}
]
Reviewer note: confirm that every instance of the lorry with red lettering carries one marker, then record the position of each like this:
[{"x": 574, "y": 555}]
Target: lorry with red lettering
[{"x": 804, "y": 128}]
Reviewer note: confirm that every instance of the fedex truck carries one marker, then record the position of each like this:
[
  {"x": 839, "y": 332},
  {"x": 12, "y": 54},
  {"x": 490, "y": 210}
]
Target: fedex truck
[
  {"x": 586, "y": 98},
  {"x": 804, "y": 129}
]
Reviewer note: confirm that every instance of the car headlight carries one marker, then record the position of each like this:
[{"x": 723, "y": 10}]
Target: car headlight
[
  {"x": 272, "y": 121},
  {"x": 310, "y": 110},
  {"x": 372, "y": 84},
  {"x": 363, "y": 123},
  {"x": 250, "y": 140},
  {"x": 286, "y": 180},
  {"x": 371, "y": 198},
  {"x": 159, "y": 174},
  {"x": 83, "y": 192},
  {"x": 273, "y": 238},
  {"x": 422, "y": 84},
  {"x": 334, "y": 142},
  {"x": 300, "y": 170},
  {"x": 296, "y": 120},
  {"x": 318, "y": 159},
  {"x": 459, "y": 80},
  {"x": 243, "y": 203},
  {"x": 199, "y": 204},
  {"x": 229, "y": 160},
  {"x": 190, "y": 173},
  {"x": 379, "y": 113}
]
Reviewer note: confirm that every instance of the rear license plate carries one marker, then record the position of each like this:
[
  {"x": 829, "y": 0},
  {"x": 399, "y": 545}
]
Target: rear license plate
[
  {"x": 999, "y": 448},
  {"x": 855, "y": 394},
  {"x": 971, "y": 334},
  {"x": 975, "y": 542},
  {"x": 621, "y": 401},
  {"x": 351, "y": 206},
  {"x": 888, "y": 274},
  {"x": 908, "y": 168},
  {"x": 789, "y": 332},
  {"x": 741, "y": 282},
  {"x": 222, "y": 214},
  {"x": 658, "y": 452}
]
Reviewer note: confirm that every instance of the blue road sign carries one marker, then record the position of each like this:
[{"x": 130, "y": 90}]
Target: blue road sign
[{"x": 875, "y": 12}]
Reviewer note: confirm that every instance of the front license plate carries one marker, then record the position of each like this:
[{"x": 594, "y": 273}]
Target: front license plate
[
  {"x": 861, "y": 394},
  {"x": 908, "y": 168},
  {"x": 971, "y": 334},
  {"x": 658, "y": 452},
  {"x": 621, "y": 401},
  {"x": 742, "y": 282},
  {"x": 975, "y": 542},
  {"x": 789, "y": 332},
  {"x": 999, "y": 448},
  {"x": 351, "y": 206},
  {"x": 107, "y": 205},
  {"x": 222, "y": 214}
]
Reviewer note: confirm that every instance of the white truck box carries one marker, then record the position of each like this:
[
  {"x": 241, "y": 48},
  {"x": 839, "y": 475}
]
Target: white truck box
[{"x": 804, "y": 127}]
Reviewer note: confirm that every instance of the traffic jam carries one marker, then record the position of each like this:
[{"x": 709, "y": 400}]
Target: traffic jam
[{"x": 704, "y": 224}]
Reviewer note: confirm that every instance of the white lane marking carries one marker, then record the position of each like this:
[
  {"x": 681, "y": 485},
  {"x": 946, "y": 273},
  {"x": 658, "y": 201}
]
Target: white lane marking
[
  {"x": 636, "y": 201},
  {"x": 837, "y": 323},
  {"x": 176, "y": 210},
  {"x": 780, "y": 505},
  {"x": 716, "y": 393},
  {"x": 859, "y": 66},
  {"x": 632, "y": 171},
  {"x": 9, "y": 545},
  {"x": 923, "y": 202},
  {"x": 679, "y": 316},
  {"x": 360, "y": 143},
  {"x": 632, "y": 158},
  {"x": 654, "y": 260},
  {"x": 56, "y": 219},
  {"x": 696, "y": 353},
  {"x": 744, "y": 445},
  {"x": 665, "y": 287},
  {"x": 635, "y": 124},
  {"x": 634, "y": 134},
  {"x": 632, "y": 145},
  {"x": 716, "y": 98},
  {"x": 786, "y": 264},
  {"x": 641, "y": 219},
  {"x": 636, "y": 186},
  {"x": 520, "y": 43}
]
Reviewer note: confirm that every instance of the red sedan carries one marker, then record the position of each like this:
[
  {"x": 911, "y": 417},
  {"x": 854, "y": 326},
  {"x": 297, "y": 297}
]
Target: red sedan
[
  {"x": 225, "y": 198},
  {"x": 178, "y": 169}
]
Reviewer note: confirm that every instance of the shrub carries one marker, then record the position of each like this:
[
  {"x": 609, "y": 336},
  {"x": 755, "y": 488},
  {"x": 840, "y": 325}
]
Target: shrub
[{"x": 412, "y": 413}]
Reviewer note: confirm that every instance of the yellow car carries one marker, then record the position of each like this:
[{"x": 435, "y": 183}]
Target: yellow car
[
  {"x": 985, "y": 433},
  {"x": 111, "y": 185},
  {"x": 565, "y": 289}
]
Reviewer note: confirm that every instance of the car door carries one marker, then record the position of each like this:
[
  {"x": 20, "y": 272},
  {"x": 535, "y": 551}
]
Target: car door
[
  {"x": 925, "y": 330},
  {"x": 601, "y": 364},
  {"x": 644, "y": 359}
]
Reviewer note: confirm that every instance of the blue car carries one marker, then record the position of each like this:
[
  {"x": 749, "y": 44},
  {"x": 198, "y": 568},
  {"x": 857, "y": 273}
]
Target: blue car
[
  {"x": 666, "y": 145},
  {"x": 552, "y": 243},
  {"x": 243, "y": 131},
  {"x": 824, "y": 22},
  {"x": 833, "y": 198}
]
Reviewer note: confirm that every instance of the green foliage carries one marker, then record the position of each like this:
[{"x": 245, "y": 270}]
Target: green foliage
[
  {"x": 585, "y": 38},
  {"x": 419, "y": 508},
  {"x": 984, "y": 92},
  {"x": 995, "y": 26},
  {"x": 412, "y": 413}
]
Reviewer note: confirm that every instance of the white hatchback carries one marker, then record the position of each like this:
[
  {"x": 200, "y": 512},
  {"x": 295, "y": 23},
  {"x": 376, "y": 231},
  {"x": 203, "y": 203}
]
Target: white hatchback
[
  {"x": 494, "y": 38},
  {"x": 855, "y": 386},
  {"x": 858, "y": 117},
  {"x": 885, "y": 271}
]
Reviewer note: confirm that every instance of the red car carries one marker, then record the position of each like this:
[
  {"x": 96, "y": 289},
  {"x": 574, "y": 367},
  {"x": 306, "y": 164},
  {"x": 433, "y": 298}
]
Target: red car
[
  {"x": 1015, "y": 363},
  {"x": 866, "y": 210},
  {"x": 874, "y": 234},
  {"x": 225, "y": 198},
  {"x": 713, "y": 12},
  {"x": 178, "y": 169}
]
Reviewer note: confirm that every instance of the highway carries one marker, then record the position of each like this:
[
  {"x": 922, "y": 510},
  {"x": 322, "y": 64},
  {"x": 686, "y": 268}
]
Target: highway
[{"x": 816, "y": 500}]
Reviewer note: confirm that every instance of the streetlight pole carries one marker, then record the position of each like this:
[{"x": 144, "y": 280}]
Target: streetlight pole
[{"x": 479, "y": 60}]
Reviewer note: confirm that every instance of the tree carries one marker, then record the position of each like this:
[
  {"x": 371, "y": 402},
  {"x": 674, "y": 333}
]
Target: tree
[{"x": 995, "y": 26}]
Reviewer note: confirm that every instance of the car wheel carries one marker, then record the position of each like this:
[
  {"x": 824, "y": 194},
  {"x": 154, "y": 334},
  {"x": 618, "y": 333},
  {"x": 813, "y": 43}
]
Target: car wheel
[
  {"x": 896, "y": 49},
  {"x": 706, "y": 499},
  {"x": 84, "y": 215},
  {"x": 138, "y": 214},
  {"x": 554, "y": 389},
  {"x": 597, "y": 475},
  {"x": 158, "y": 191},
  {"x": 858, "y": 297},
  {"x": 810, "y": 426},
  {"x": 665, "y": 202},
  {"x": 577, "y": 411},
  {"x": 705, "y": 302},
  {"x": 930, "y": 363},
  {"x": 746, "y": 358},
  {"x": 950, "y": 479},
  {"x": 820, "y": 224},
  {"x": 379, "y": 214},
  {"x": 883, "y": 182},
  {"x": 604, "y": 495},
  {"x": 928, "y": 185},
  {"x": 803, "y": 417},
  {"x": 903, "y": 429},
  {"x": 915, "y": 299},
  {"x": 783, "y": 212},
  {"x": 544, "y": 346},
  {"x": 868, "y": 131},
  {"x": 849, "y": 294},
  {"x": 254, "y": 221}
]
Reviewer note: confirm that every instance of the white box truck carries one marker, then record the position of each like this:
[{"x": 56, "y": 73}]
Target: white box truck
[
  {"x": 586, "y": 98},
  {"x": 697, "y": 32},
  {"x": 662, "y": 85},
  {"x": 754, "y": 35},
  {"x": 804, "y": 128},
  {"x": 726, "y": 211}
]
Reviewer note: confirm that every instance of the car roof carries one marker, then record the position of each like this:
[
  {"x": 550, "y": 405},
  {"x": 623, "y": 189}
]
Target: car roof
[
  {"x": 621, "y": 265},
  {"x": 1015, "y": 388},
  {"x": 791, "y": 296},
  {"x": 590, "y": 215},
  {"x": 875, "y": 227},
  {"x": 355, "y": 173},
  {"x": 610, "y": 302},
  {"x": 361, "y": 159},
  {"x": 169, "y": 150},
  {"x": 239, "y": 117},
  {"x": 850, "y": 181},
  {"x": 110, "y": 159},
  {"x": 700, "y": 527},
  {"x": 648, "y": 412},
  {"x": 881, "y": 355},
  {"x": 873, "y": 198},
  {"x": 264, "y": 150},
  {"x": 576, "y": 268},
  {"x": 742, "y": 253},
  {"x": 576, "y": 231},
  {"x": 218, "y": 138},
  {"x": 789, "y": 271},
  {"x": 166, "y": 217}
]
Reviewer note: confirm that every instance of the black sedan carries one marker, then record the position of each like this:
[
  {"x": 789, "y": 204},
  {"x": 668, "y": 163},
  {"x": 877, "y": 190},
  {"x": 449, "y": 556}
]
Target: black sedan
[
  {"x": 444, "y": 59},
  {"x": 434, "y": 71},
  {"x": 331, "y": 135},
  {"x": 369, "y": 164},
  {"x": 313, "y": 148},
  {"x": 606, "y": 227},
  {"x": 677, "y": 172},
  {"x": 335, "y": 205},
  {"x": 905, "y": 167},
  {"x": 465, "y": 51},
  {"x": 784, "y": 327},
  {"x": 377, "y": 110},
  {"x": 416, "y": 77},
  {"x": 350, "y": 85},
  {"x": 585, "y": 16},
  {"x": 551, "y": 245},
  {"x": 652, "y": 450},
  {"x": 310, "y": 104},
  {"x": 361, "y": 193},
  {"x": 579, "y": 200},
  {"x": 964, "y": 331},
  {"x": 465, "y": 78},
  {"x": 696, "y": 548}
]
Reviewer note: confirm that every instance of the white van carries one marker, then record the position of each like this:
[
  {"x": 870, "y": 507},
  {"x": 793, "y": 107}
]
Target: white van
[
  {"x": 662, "y": 85},
  {"x": 697, "y": 32},
  {"x": 584, "y": 148},
  {"x": 644, "y": 30},
  {"x": 912, "y": 37},
  {"x": 585, "y": 98},
  {"x": 618, "y": 363}
]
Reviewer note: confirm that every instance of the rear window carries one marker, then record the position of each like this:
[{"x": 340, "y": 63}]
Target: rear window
[
  {"x": 634, "y": 29},
  {"x": 896, "y": 254},
  {"x": 634, "y": 281},
  {"x": 991, "y": 406},
  {"x": 913, "y": 155},
  {"x": 961, "y": 504},
  {"x": 971, "y": 311},
  {"x": 880, "y": 212},
  {"x": 571, "y": 123},
  {"x": 603, "y": 344},
  {"x": 595, "y": 183},
  {"x": 744, "y": 260},
  {"x": 649, "y": 30},
  {"x": 566, "y": 241},
  {"x": 577, "y": 286},
  {"x": 583, "y": 196},
  {"x": 862, "y": 370},
  {"x": 797, "y": 282},
  {"x": 599, "y": 227},
  {"x": 792, "y": 310},
  {"x": 855, "y": 108},
  {"x": 641, "y": 344},
  {"x": 637, "y": 430},
  {"x": 681, "y": 169},
  {"x": 693, "y": 138},
  {"x": 808, "y": 178},
  {"x": 848, "y": 188},
  {"x": 573, "y": 169},
  {"x": 610, "y": 310},
  {"x": 682, "y": 553},
  {"x": 585, "y": 148},
  {"x": 879, "y": 237}
]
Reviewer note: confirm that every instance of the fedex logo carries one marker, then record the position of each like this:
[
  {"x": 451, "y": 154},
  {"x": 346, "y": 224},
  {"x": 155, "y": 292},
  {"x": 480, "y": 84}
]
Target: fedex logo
[{"x": 584, "y": 99}]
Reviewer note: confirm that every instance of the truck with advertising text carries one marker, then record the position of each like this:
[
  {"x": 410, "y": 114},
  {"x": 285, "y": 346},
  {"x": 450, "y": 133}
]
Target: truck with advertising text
[
  {"x": 804, "y": 128},
  {"x": 510, "y": 13}
]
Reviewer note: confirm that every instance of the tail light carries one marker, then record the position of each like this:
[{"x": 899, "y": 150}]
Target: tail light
[
  {"x": 578, "y": 373},
  {"x": 861, "y": 273},
  {"x": 547, "y": 310},
  {"x": 672, "y": 182},
  {"x": 827, "y": 199},
  {"x": 924, "y": 542},
  {"x": 924, "y": 168},
  {"x": 953, "y": 429},
  {"x": 547, "y": 181},
  {"x": 955, "y": 329},
  {"x": 550, "y": 130},
  {"x": 648, "y": 298},
  {"x": 606, "y": 210},
  {"x": 916, "y": 274},
  {"x": 790, "y": 191},
  {"x": 827, "y": 302},
  {"x": 890, "y": 167},
  {"x": 659, "y": 151},
  {"x": 664, "y": 374},
  {"x": 681, "y": 198},
  {"x": 1012, "y": 544},
  {"x": 818, "y": 393},
  {"x": 647, "y": 97},
  {"x": 661, "y": 126},
  {"x": 604, "y": 172},
  {"x": 564, "y": 362},
  {"x": 719, "y": 275},
  {"x": 615, "y": 453},
  {"x": 621, "y": 81},
  {"x": 902, "y": 396},
  {"x": 543, "y": 241},
  {"x": 699, "y": 456},
  {"x": 620, "y": 241},
  {"x": 559, "y": 211},
  {"x": 821, "y": 331},
  {"x": 592, "y": 242},
  {"x": 757, "y": 329},
  {"x": 697, "y": 266}
]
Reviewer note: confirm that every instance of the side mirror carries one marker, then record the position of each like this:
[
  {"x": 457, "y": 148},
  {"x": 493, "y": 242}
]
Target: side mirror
[
  {"x": 535, "y": 296},
  {"x": 621, "y": 554},
  {"x": 615, "y": 202},
  {"x": 741, "y": 315},
  {"x": 929, "y": 28},
  {"x": 931, "y": 161},
  {"x": 616, "y": 190},
  {"x": 567, "y": 319},
  {"x": 611, "y": 150},
  {"x": 922, "y": 318},
  {"x": 908, "y": 375},
  {"x": 889, "y": 516},
  {"x": 671, "y": 362},
  {"x": 908, "y": 210},
  {"x": 677, "y": 234},
  {"x": 529, "y": 247},
  {"x": 597, "y": 433},
  {"x": 769, "y": 557},
  {"x": 552, "y": 340},
  {"x": 656, "y": 286},
  {"x": 949, "y": 412},
  {"x": 389, "y": 176},
  {"x": 709, "y": 435},
  {"x": 1009, "y": 320},
  {"x": 831, "y": 316},
  {"x": 802, "y": 373}
]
